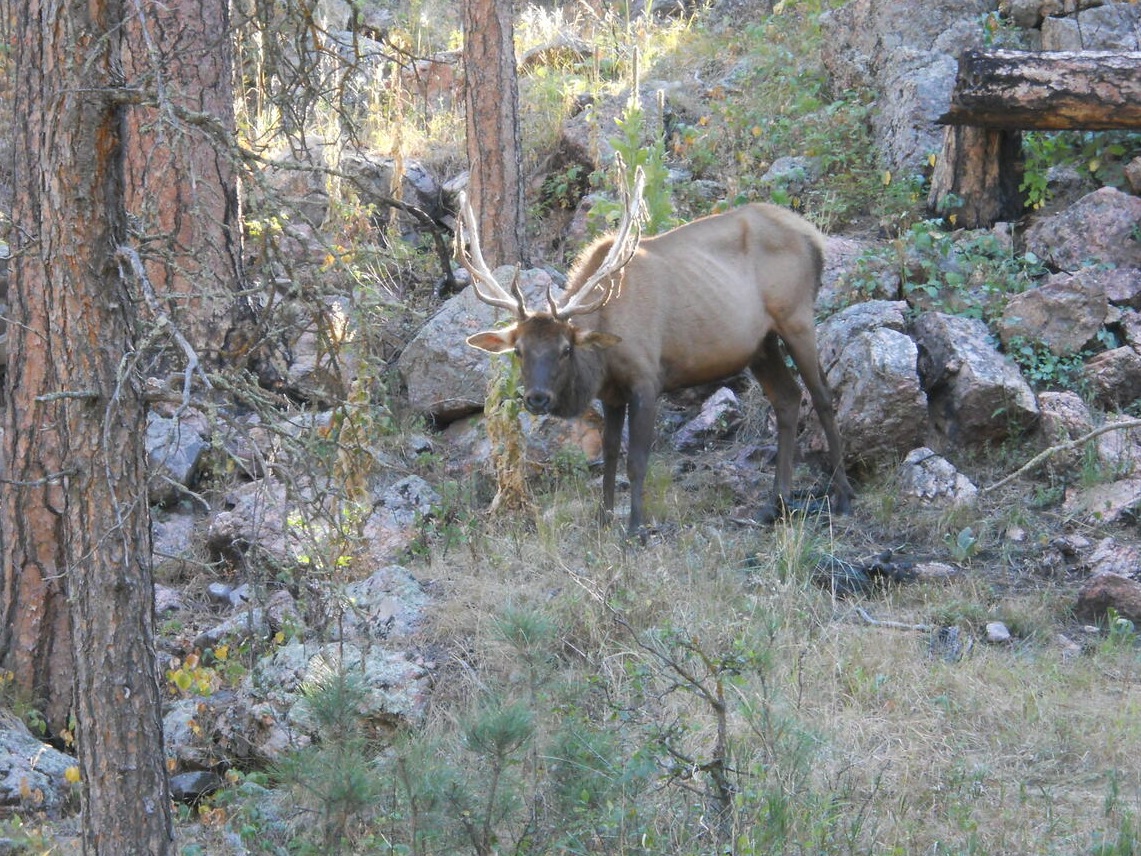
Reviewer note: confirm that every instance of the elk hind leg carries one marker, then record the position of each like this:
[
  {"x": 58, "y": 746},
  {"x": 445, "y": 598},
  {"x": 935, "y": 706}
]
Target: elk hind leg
[
  {"x": 783, "y": 393},
  {"x": 802, "y": 348}
]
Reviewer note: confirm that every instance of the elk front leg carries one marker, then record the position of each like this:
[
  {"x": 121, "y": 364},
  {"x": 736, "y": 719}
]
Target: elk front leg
[
  {"x": 643, "y": 406},
  {"x": 613, "y": 417}
]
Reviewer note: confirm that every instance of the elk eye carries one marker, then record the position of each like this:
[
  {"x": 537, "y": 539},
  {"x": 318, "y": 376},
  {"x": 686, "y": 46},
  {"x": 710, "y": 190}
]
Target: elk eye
[{"x": 566, "y": 350}]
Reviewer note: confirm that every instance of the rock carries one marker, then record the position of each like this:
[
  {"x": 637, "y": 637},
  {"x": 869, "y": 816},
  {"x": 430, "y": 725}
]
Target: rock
[
  {"x": 1104, "y": 592},
  {"x": 219, "y": 592},
  {"x": 836, "y": 332},
  {"x": 387, "y": 604},
  {"x": 1097, "y": 229},
  {"x": 976, "y": 395},
  {"x": 719, "y": 417},
  {"x": 1105, "y": 503},
  {"x": 176, "y": 548},
  {"x": 1109, "y": 556},
  {"x": 1064, "y": 313},
  {"x": 907, "y": 51},
  {"x": 934, "y": 479},
  {"x": 1064, "y": 417},
  {"x": 191, "y": 787},
  {"x": 1122, "y": 285},
  {"x": 31, "y": 772},
  {"x": 167, "y": 600},
  {"x": 409, "y": 500},
  {"x": 174, "y": 451},
  {"x": 881, "y": 410},
  {"x": 1112, "y": 27},
  {"x": 1115, "y": 376},
  {"x": 997, "y": 633}
]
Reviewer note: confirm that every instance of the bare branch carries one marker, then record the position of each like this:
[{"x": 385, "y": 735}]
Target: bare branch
[{"x": 1068, "y": 446}]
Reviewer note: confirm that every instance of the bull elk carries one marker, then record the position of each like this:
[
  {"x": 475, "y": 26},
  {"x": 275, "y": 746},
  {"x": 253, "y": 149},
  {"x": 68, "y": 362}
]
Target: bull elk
[{"x": 640, "y": 317}]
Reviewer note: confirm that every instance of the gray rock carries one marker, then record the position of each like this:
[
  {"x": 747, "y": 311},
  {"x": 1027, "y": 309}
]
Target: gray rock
[
  {"x": 174, "y": 450},
  {"x": 1109, "y": 27},
  {"x": 881, "y": 409},
  {"x": 1097, "y": 229},
  {"x": 31, "y": 772},
  {"x": 719, "y": 417},
  {"x": 1064, "y": 313},
  {"x": 933, "y": 479},
  {"x": 1115, "y": 376},
  {"x": 976, "y": 395}
]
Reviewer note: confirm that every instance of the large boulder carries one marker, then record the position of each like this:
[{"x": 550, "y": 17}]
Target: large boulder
[
  {"x": 871, "y": 365},
  {"x": 1097, "y": 229},
  {"x": 906, "y": 52},
  {"x": 976, "y": 395},
  {"x": 1064, "y": 313}
]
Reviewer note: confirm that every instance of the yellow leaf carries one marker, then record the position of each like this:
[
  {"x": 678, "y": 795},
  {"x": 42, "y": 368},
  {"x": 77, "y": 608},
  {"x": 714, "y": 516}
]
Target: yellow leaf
[
  {"x": 931, "y": 159},
  {"x": 71, "y": 775},
  {"x": 886, "y": 177},
  {"x": 183, "y": 680},
  {"x": 1095, "y": 164},
  {"x": 279, "y": 638},
  {"x": 222, "y": 652}
]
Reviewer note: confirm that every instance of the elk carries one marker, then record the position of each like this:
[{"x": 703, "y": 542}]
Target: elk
[{"x": 641, "y": 317}]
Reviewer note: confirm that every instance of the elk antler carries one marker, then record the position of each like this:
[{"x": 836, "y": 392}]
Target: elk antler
[
  {"x": 622, "y": 249},
  {"x": 471, "y": 257}
]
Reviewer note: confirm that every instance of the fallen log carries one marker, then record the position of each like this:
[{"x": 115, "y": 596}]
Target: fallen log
[{"x": 1047, "y": 91}]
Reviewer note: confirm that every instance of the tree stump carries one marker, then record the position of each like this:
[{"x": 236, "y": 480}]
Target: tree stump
[{"x": 977, "y": 177}]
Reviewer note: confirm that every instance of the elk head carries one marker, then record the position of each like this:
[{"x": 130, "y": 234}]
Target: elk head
[{"x": 561, "y": 361}]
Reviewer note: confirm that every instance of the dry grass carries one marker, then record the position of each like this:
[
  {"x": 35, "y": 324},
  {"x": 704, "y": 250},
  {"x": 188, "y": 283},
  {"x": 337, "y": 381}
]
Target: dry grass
[{"x": 873, "y": 743}]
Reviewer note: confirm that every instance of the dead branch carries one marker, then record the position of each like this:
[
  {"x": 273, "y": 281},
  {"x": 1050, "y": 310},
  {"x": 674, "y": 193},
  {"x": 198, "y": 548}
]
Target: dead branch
[
  {"x": 893, "y": 625},
  {"x": 1068, "y": 446}
]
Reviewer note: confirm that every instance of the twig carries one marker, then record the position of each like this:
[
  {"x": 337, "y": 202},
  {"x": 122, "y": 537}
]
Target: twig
[
  {"x": 893, "y": 625},
  {"x": 1068, "y": 446}
]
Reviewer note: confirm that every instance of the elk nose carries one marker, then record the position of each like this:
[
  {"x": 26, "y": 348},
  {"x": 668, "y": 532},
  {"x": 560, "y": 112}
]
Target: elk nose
[{"x": 538, "y": 401}]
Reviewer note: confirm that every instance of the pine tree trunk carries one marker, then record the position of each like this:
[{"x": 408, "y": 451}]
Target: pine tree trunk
[
  {"x": 494, "y": 147},
  {"x": 181, "y": 180},
  {"x": 75, "y": 516}
]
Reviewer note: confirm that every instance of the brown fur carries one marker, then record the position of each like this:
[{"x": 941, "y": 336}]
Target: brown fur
[{"x": 696, "y": 304}]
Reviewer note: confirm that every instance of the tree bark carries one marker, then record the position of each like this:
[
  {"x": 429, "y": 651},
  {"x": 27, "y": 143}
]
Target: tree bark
[
  {"x": 1047, "y": 91},
  {"x": 977, "y": 176},
  {"x": 494, "y": 146},
  {"x": 75, "y": 528},
  {"x": 181, "y": 181}
]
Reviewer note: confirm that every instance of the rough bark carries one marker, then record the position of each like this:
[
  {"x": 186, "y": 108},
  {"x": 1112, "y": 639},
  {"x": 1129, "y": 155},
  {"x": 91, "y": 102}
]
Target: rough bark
[
  {"x": 494, "y": 147},
  {"x": 1047, "y": 91},
  {"x": 75, "y": 528},
  {"x": 181, "y": 182},
  {"x": 977, "y": 176}
]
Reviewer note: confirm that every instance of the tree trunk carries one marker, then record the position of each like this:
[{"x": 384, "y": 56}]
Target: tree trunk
[
  {"x": 75, "y": 519},
  {"x": 494, "y": 147},
  {"x": 181, "y": 180},
  {"x": 1047, "y": 91},
  {"x": 977, "y": 176}
]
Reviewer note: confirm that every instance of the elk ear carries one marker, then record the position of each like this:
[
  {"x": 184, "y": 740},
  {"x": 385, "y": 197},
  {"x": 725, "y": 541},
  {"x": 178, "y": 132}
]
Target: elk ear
[
  {"x": 494, "y": 341},
  {"x": 594, "y": 339}
]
